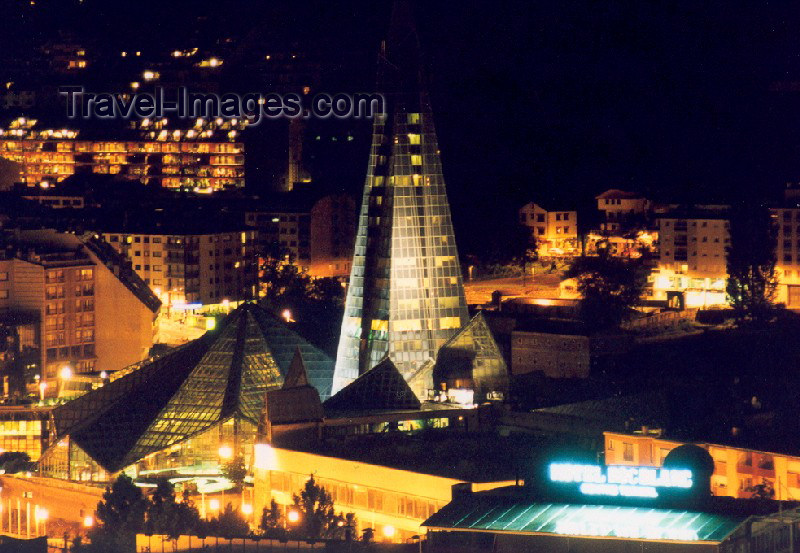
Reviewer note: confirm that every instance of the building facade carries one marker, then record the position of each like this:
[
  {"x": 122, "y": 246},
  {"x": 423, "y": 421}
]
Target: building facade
[
  {"x": 406, "y": 293},
  {"x": 76, "y": 292},
  {"x": 205, "y": 268},
  {"x": 393, "y": 502},
  {"x": 556, "y": 232},
  {"x": 736, "y": 470},
  {"x": 177, "y": 159},
  {"x": 621, "y": 209},
  {"x": 787, "y": 253},
  {"x": 692, "y": 267},
  {"x": 316, "y": 235}
]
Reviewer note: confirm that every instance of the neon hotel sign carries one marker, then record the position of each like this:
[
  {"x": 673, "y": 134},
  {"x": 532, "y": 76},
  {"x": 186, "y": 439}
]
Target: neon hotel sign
[{"x": 619, "y": 480}]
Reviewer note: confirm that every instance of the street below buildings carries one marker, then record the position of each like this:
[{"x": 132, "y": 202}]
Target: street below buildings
[{"x": 533, "y": 286}]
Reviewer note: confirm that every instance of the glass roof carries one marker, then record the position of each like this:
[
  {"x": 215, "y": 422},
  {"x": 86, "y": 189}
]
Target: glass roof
[
  {"x": 225, "y": 373},
  {"x": 498, "y": 514}
]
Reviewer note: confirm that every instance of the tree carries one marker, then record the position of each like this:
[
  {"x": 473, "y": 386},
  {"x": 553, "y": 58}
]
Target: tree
[
  {"x": 235, "y": 470},
  {"x": 367, "y": 534},
  {"x": 316, "y": 511},
  {"x": 120, "y": 516},
  {"x": 229, "y": 524},
  {"x": 764, "y": 490},
  {"x": 609, "y": 287},
  {"x": 751, "y": 261},
  {"x": 166, "y": 516},
  {"x": 14, "y": 461},
  {"x": 272, "y": 521}
]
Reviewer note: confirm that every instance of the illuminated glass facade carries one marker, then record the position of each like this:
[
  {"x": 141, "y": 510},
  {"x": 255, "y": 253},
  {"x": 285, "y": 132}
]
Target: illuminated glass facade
[
  {"x": 470, "y": 359},
  {"x": 181, "y": 407},
  {"x": 406, "y": 295}
]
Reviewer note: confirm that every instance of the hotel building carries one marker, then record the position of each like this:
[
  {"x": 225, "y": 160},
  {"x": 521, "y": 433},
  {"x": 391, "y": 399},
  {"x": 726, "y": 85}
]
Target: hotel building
[{"x": 736, "y": 469}]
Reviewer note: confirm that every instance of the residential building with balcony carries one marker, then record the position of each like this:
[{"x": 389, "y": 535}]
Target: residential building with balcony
[
  {"x": 736, "y": 470},
  {"x": 692, "y": 266},
  {"x": 75, "y": 290},
  {"x": 555, "y": 231},
  {"x": 787, "y": 253},
  {"x": 190, "y": 266},
  {"x": 178, "y": 159}
]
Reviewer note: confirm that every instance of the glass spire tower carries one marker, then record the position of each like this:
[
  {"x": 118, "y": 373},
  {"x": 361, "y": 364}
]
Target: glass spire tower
[{"x": 406, "y": 295}]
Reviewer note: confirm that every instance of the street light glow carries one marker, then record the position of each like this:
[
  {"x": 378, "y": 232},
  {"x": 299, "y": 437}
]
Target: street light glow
[
  {"x": 65, "y": 373},
  {"x": 388, "y": 531},
  {"x": 88, "y": 521},
  {"x": 247, "y": 509},
  {"x": 225, "y": 452},
  {"x": 213, "y": 504},
  {"x": 293, "y": 516}
]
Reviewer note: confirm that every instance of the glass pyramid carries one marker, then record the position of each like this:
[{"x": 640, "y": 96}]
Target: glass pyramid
[
  {"x": 223, "y": 375},
  {"x": 382, "y": 388},
  {"x": 406, "y": 295},
  {"x": 473, "y": 354}
]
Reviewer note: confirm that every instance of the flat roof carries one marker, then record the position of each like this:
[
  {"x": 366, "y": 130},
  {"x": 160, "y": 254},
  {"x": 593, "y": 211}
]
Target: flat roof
[{"x": 492, "y": 513}]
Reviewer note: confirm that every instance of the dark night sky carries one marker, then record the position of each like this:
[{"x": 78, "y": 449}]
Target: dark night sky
[{"x": 543, "y": 99}]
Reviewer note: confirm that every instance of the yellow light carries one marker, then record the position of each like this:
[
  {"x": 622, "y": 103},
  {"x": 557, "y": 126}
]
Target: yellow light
[
  {"x": 225, "y": 452},
  {"x": 293, "y": 516},
  {"x": 213, "y": 504},
  {"x": 88, "y": 521},
  {"x": 287, "y": 316},
  {"x": 265, "y": 457},
  {"x": 211, "y": 324},
  {"x": 388, "y": 531},
  {"x": 247, "y": 509},
  {"x": 65, "y": 373},
  {"x": 42, "y": 513},
  {"x": 134, "y": 85}
]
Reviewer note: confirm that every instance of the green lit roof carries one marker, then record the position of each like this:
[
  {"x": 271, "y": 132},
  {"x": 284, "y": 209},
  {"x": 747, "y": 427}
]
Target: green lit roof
[
  {"x": 225, "y": 373},
  {"x": 500, "y": 514}
]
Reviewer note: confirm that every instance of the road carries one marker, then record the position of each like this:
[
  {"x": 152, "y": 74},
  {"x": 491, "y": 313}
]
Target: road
[{"x": 535, "y": 286}]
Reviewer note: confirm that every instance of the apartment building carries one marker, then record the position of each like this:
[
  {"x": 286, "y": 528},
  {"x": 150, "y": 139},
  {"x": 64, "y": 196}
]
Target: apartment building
[
  {"x": 556, "y": 231},
  {"x": 787, "y": 252},
  {"x": 317, "y": 233},
  {"x": 621, "y": 209},
  {"x": 736, "y": 470},
  {"x": 692, "y": 267},
  {"x": 179, "y": 159},
  {"x": 75, "y": 291},
  {"x": 190, "y": 269}
]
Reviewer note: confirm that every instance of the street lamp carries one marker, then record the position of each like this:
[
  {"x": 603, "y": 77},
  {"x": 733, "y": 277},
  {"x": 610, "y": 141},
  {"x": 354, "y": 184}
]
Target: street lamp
[
  {"x": 65, "y": 373},
  {"x": 213, "y": 504},
  {"x": 88, "y": 521},
  {"x": 293, "y": 516},
  {"x": 42, "y": 388},
  {"x": 41, "y": 514},
  {"x": 389, "y": 531},
  {"x": 225, "y": 452}
]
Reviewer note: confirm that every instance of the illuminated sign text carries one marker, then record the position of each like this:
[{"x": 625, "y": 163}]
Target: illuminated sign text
[{"x": 619, "y": 480}]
